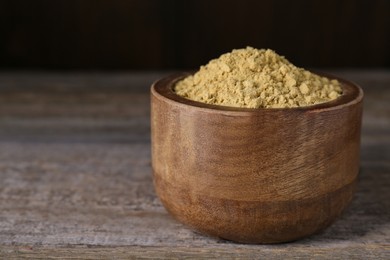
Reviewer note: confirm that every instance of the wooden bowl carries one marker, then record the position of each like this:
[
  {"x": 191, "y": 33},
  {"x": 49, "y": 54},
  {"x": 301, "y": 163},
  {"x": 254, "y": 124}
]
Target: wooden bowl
[{"x": 255, "y": 175}]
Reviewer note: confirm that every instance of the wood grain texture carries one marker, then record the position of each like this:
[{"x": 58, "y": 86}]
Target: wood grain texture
[
  {"x": 255, "y": 175},
  {"x": 76, "y": 179}
]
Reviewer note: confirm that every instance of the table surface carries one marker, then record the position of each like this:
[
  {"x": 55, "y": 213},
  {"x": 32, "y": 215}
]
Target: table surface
[{"x": 76, "y": 179}]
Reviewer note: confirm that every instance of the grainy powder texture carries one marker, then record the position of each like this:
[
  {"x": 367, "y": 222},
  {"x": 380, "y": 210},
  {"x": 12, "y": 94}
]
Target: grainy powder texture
[{"x": 256, "y": 78}]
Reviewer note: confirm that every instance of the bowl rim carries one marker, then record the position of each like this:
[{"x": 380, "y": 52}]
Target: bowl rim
[{"x": 163, "y": 90}]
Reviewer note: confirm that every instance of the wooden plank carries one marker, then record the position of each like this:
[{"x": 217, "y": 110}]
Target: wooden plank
[
  {"x": 210, "y": 252},
  {"x": 75, "y": 176}
]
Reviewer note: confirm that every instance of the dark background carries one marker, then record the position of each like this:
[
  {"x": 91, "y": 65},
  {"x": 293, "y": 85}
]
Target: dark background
[{"x": 157, "y": 34}]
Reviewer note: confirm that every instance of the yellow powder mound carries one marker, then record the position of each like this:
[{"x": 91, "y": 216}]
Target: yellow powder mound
[{"x": 256, "y": 78}]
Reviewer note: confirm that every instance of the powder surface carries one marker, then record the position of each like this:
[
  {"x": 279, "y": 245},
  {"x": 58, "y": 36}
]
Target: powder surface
[{"x": 256, "y": 78}]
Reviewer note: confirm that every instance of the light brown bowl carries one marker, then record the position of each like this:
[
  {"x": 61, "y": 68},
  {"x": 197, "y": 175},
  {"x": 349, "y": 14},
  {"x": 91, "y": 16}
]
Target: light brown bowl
[{"x": 255, "y": 175}]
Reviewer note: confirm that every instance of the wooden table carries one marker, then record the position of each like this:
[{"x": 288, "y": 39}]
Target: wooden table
[{"x": 76, "y": 180}]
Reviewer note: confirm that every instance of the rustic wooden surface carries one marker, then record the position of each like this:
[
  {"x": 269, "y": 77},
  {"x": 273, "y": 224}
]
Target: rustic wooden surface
[{"x": 76, "y": 181}]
